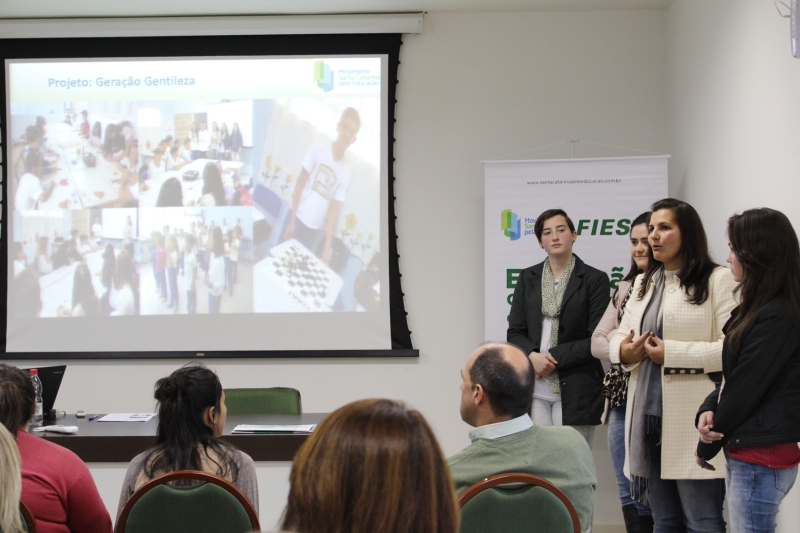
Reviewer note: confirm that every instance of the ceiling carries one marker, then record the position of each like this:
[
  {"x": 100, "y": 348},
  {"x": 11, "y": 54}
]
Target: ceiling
[{"x": 117, "y": 8}]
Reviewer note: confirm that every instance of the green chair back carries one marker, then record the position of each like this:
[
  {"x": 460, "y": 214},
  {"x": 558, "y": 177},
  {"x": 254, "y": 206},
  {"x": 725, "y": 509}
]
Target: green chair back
[
  {"x": 214, "y": 506},
  {"x": 514, "y": 506},
  {"x": 269, "y": 401},
  {"x": 28, "y": 521}
]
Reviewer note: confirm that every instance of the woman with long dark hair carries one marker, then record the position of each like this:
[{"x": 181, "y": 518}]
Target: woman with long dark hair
[
  {"x": 128, "y": 289},
  {"x": 84, "y": 299},
  {"x": 213, "y": 191},
  {"x": 371, "y": 466},
  {"x": 670, "y": 338},
  {"x": 637, "y": 516},
  {"x": 755, "y": 415},
  {"x": 171, "y": 193},
  {"x": 236, "y": 142},
  {"x": 191, "y": 417}
]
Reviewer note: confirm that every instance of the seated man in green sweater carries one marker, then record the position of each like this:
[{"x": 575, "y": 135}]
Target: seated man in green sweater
[{"x": 495, "y": 399}]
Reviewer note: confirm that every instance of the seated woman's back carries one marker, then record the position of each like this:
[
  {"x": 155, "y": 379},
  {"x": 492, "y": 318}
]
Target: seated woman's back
[
  {"x": 56, "y": 485},
  {"x": 191, "y": 417}
]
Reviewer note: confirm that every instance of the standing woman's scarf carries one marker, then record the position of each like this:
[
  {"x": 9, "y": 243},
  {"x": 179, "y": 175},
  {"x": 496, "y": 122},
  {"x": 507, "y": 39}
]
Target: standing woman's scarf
[
  {"x": 551, "y": 307},
  {"x": 647, "y": 407}
]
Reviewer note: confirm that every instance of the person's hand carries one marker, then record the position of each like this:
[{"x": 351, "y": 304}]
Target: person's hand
[
  {"x": 207, "y": 282},
  {"x": 543, "y": 364},
  {"x": 702, "y": 463},
  {"x": 654, "y": 347},
  {"x": 632, "y": 350},
  {"x": 289, "y": 230},
  {"x": 705, "y": 425}
]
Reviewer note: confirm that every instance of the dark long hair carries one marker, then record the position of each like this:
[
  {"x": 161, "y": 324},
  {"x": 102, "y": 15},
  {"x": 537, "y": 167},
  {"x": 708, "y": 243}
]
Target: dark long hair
[
  {"x": 183, "y": 398},
  {"x": 108, "y": 139},
  {"x": 634, "y": 271},
  {"x": 696, "y": 262},
  {"x": 766, "y": 245},
  {"x": 212, "y": 183},
  {"x": 17, "y": 398},
  {"x": 109, "y": 277},
  {"x": 372, "y": 465},
  {"x": 83, "y": 291},
  {"x": 217, "y": 243},
  {"x": 171, "y": 194}
]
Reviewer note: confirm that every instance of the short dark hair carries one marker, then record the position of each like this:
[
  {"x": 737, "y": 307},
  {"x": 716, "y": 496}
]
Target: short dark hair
[
  {"x": 32, "y": 160},
  {"x": 509, "y": 392},
  {"x": 538, "y": 227},
  {"x": 32, "y": 133},
  {"x": 17, "y": 398}
]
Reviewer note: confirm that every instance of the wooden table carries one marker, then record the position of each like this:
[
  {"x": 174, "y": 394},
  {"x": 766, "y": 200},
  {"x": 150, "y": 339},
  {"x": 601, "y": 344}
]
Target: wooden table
[{"x": 119, "y": 442}]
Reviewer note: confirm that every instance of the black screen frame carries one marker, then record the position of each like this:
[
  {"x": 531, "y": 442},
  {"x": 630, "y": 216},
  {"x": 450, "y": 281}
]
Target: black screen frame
[{"x": 208, "y": 46}]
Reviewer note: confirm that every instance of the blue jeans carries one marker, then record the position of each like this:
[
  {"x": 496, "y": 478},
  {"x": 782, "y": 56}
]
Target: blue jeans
[
  {"x": 754, "y": 494},
  {"x": 616, "y": 448},
  {"x": 214, "y": 303},
  {"x": 681, "y": 505}
]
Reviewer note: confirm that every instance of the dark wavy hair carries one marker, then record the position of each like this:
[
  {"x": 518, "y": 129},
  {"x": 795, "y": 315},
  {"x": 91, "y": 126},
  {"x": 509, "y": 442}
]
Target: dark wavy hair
[
  {"x": 696, "y": 262},
  {"x": 109, "y": 276},
  {"x": 17, "y": 398},
  {"x": 766, "y": 245},
  {"x": 183, "y": 436},
  {"x": 634, "y": 271}
]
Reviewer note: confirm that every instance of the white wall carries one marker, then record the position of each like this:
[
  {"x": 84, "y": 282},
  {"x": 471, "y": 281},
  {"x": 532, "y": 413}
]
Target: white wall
[
  {"x": 735, "y": 112},
  {"x": 472, "y": 87}
]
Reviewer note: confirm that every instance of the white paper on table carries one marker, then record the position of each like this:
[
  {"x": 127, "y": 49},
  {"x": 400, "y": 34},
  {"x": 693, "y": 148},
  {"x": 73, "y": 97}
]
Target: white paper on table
[
  {"x": 271, "y": 428},
  {"x": 127, "y": 417}
]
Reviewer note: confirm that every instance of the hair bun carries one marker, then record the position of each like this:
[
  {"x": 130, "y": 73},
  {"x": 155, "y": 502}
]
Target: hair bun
[{"x": 168, "y": 388}]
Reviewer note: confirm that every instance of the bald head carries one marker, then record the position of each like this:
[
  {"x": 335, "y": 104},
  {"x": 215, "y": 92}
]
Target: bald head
[{"x": 506, "y": 376}]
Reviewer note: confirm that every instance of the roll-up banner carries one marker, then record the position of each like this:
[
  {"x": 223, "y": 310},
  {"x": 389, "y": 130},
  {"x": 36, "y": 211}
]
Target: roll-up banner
[{"x": 601, "y": 196}]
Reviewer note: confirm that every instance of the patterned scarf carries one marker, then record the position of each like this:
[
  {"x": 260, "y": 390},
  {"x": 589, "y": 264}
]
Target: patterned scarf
[{"x": 551, "y": 307}]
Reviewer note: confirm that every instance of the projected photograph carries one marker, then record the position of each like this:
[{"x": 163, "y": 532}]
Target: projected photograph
[
  {"x": 61, "y": 159},
  {"x": 317, "y": 205},
  {"x": 81, "y": 261},
  {"x": 196, "y": 260}
]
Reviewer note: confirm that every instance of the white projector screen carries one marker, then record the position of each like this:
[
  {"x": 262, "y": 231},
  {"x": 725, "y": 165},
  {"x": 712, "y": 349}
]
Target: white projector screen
[{"x": 197, "y": 204}]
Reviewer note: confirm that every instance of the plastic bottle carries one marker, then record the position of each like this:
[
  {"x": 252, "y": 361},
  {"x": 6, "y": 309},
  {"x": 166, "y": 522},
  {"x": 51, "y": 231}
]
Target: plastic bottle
[{"x": 36, "y": 421}]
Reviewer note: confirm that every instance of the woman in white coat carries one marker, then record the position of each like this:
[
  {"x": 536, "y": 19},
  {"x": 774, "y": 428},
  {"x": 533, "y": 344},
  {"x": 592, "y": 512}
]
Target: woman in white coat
[{"x": 670, "y": 338}]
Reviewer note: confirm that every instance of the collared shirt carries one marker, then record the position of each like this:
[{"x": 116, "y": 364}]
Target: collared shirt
[{"x": 502, "y": 429}]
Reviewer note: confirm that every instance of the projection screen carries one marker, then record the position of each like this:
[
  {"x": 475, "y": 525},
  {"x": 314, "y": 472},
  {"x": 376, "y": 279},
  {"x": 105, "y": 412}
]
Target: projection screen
[{"x": 193, "y": 205}]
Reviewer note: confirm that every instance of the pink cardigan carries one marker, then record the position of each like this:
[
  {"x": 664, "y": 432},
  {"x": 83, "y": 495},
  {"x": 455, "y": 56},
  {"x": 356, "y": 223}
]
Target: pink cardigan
[{"x": 608, "y": 324}]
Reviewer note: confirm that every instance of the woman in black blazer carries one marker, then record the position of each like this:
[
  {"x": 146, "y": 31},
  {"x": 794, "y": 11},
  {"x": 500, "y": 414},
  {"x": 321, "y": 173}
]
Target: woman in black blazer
[
  {"x": 754, "y": 416},
  {"x": 554, "y": 323}
]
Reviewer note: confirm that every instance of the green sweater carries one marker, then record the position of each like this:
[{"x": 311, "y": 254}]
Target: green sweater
[{"x": 557, "y": 453}]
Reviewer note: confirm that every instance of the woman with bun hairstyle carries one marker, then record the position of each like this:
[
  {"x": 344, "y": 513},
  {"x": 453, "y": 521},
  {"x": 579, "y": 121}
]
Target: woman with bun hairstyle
[
  {"x": 56, "y": 484},
  {"x": 371, "y": 466},
  {"x": 755, "y": 415},
  {"x": 191, "y": 417},
  {"x": 637, "y": 516},
  {"x": 670, "y": 339}
]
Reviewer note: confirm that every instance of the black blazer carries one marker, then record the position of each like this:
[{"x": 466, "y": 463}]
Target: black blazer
[
  {"x": 582, "y": 307},
  {"x": 760, "y": 401}
]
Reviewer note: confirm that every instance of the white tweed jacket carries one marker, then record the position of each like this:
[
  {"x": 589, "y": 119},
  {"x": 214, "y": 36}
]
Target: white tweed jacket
[{"x": 692, "y": 347}]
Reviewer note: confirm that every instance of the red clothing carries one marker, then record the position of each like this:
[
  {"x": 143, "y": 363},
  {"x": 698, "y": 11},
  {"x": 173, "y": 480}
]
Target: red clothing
[
  {"x": 59, "y": 490},
  {"x": 774, "y": 456},
  {"x": 85, "y": 129}
]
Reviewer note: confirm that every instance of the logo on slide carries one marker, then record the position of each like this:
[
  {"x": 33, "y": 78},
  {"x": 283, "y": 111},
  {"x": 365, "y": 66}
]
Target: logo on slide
[
  {"x": 323, "y": 75},
  {"x": 509, "y": 222}
]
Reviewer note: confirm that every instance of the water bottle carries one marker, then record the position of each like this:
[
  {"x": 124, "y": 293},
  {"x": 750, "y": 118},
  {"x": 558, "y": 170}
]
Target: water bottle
[{"x": 36, "y": 421}]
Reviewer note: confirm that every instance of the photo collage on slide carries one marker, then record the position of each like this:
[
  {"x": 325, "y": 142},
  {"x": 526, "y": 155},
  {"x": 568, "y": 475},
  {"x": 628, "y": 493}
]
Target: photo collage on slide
[{"x": 195, "y": 207}]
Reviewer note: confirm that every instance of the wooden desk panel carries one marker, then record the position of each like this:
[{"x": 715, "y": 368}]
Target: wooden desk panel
[{"x": 119, "y": 442}]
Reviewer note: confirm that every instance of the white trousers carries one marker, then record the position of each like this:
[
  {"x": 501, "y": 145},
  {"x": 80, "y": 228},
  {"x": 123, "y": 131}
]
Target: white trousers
[{"x": 547, "y": 413}]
